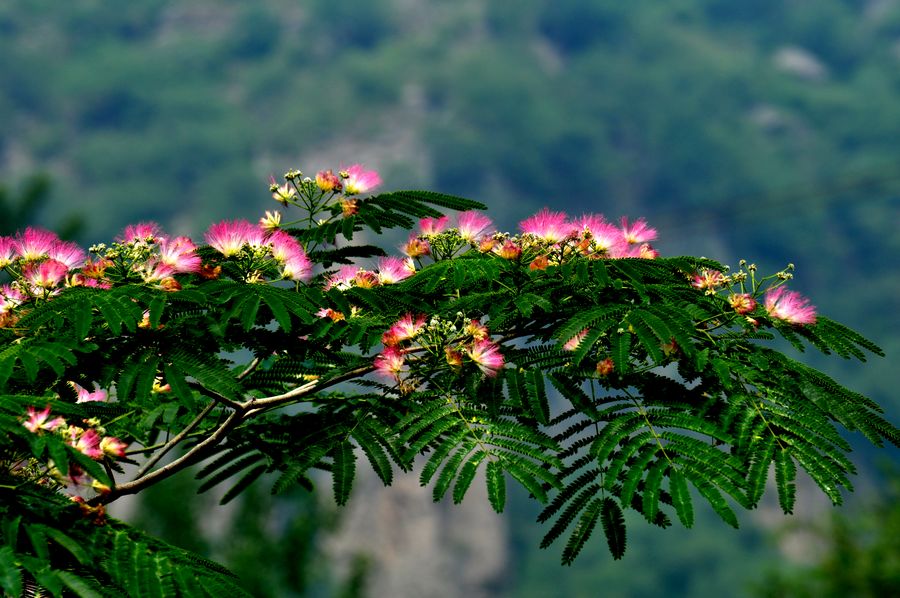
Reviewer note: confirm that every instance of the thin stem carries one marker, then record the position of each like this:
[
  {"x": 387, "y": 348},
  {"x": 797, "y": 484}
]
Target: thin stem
[{"x": 174, "y": 441}]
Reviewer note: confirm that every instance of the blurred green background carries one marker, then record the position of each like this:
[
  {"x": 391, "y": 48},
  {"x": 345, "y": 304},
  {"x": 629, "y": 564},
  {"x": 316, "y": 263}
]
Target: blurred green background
[{"x": 759, "y": 129}]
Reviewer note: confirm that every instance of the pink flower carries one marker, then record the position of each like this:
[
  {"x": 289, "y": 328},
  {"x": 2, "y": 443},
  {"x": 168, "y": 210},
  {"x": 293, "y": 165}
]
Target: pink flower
[
  {"x": 229, "y": 236},
  {"x": 8, "y": 252},
  {"x": 39, "y": 420},
  {"x": 742, "y": 303},
  {"x": 646, "y": 251},
  {"x": 68, "y": 253},
  {"x": 473, "y": 224},
  {"x": 328, "y": 181},
  {"x": 403, "y": 329},
  {"x": 343, "y": 278},
  {"x": 605, "y": 238},
  {"x": 142, "y": 232},
  {"x": 180, "y": 254},
  {"x": 572, "y": 343},
  {"x": 390, "y": 362},
  {"x": 486, "y": 356},
  {"x": 638, "y": 232},
  {"x": 433, "y": 226},
  {"x": 394, "y": 269},
  {"x": 552, "y": 227},
  {"x": 157, "y": 271},
  {"x": 113, "y": 446},
  {"x": 86, "y": 442},
  {"x": 327, "y": 312},
  {"x": 476, "y": 329},
  {"x": 708, "y": 279},
  {"x": 416, "y": 247},
  {"x": 789, "y": 306},
  {"x": 86, "y": 396},
  {"x": 10, "y": 297},
  {"x": 359, "y": 180},
  {"x": 509, "y": 250},
  {"x": 45, "y": 275},
  {"x": 288, "y": 252},
  {"x": 35, "y": 243}
]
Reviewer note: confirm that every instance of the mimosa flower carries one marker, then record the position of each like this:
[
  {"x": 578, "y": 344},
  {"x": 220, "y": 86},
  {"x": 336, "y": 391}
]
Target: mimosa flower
[
  {"x": 390, "y": 362},
  {"x": 328, "y": 181},
  {"x": 605, "y": 367},
  {"x": 366, "y": 279},
  {"x": 472, "y": 225},
  {"x": 510, "y": 250},
  {"x": 349, "y": 207},
  {"x": 142, "y": 232},
  {"x": 113, "y": 446},
  {"x": 68, "y": 253},
  {"x": 416, "y": 247},
  {"x": 359, "y": 180},
  {"x": 433, "y": 226},
  {"x": 394, "y": 269},
  {"x": 789, "y": 306},
  {"x": 10, "y": 297},
  {"x": 605, "y": 238},
  {"x": 638, "y": 232},
  {"x": 572, "y": 343},
  {"x": 647, "y": 252},
  {"x": 454, "y": 357},
  {"x": 742, "y": 303},
  {"x": 229, "y": 236},
  {"x": 486, "y": 356},
  {"x": 477, "y": 330},
  {"x": 283, "y": 193},
  {"x": 343, "y": 278},
  {"x": 35, "y": 243},
  {"x": 405, "y": 328},
  {"x": 334, "y": 315},
  {"x": 180, "y": 254},
  {"x": 270, "y": 221},
  {"x": 708, "y": 279},
  {"x": 157, "y": 271},
  {"x": 86, "y": 442},
  {"x": 40, "y": 420},
  {"x": 8, "y": 252},
  {"x": 297, "y": 267},
  {"x": 552, "y": 227},
  {"x": 540, "y": 263},
  {"x": 86, "y": 396},
  {"x": 45, "y": 275}
]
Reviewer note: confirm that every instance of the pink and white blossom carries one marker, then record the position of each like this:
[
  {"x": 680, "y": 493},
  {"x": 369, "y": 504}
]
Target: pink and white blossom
[
  {"x": 551, "y": 227},
  {"x": 359, "y": 180},
  {"x": 86, "y": 442},
  {"x": 230, "y": 236},
  {"x": 789, "y": 306},
  {"x": 473, "y": 224},
  {"x": 142, "y": 232},
  {"x": 35, "y": 243},
  {"x": 8, "y": 251},
  {"x": 486, "y": 355},
  {"x": 68, "y": 253},
  {"x": 407, "y": 327},
  {"x": 637, "y": 232},
  {"x": 390, "y": 362},
  {"x": 86, "y": 396},
  {"x": 45, "y": 275},
  {"x": 394, "y": 269},
  {"x": 742, "y": 303},
  {"x": 433, "y": 226},
  {"x": 40, "y": 420},
  {"x": 180, "y": 254}
]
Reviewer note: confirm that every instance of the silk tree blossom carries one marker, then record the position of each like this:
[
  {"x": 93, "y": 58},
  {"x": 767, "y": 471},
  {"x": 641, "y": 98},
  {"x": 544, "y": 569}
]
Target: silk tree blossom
[
  {"x": 87, "y": 442},
  {"x": 86, "y": 396},
  {"x": 637, "y": 232},
  {"x": 112, "y": 447},
  {"x": 297, "y": 268},
  {"x": 180, "y": 254},
  {"x": 141, "y": 233},
  {"x": 646, "y": 251},
  {"x": 742, "y": 303},
  {"x": 486, "y": 355},
  {"x": 573, "y": 343},
  {"x": 476, "y": 330},
  {"x": 230, "y": 236},
  {"x": 10, "y": 297},
  {"x": 416, "y": 247},
  {"x": 552, "y": 227},
  {"x": 35, "y": 243},
  {"x": 8, "y": 251},
  {"x": 359, "y": 180},
  {"x": 509, "y": 250},
  {"x": 40, "y": 420},
  {"x": 708, "y": 279},
  {"x": 390, "y": 362},
  {"x": 789, "y": 306},
  {"x": 343, "y": 278},
  {"x": 407, "y": 327},
  {"x": 433, "y": 226},
  {"x": 45, "y": 275},
  {"x": 271, "y": 221},
  {"x": 68, "y": 253},
  {"x": 327, "y": 181},
  {"x": 394, "y": 269},
  {"x": 605, "y": 238},
  {"x": 287, "y": 251},
  {"x": 473, "y": 224}
]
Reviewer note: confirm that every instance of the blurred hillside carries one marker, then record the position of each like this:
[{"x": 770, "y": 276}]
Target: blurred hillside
[{"x": 757, "y": 129}]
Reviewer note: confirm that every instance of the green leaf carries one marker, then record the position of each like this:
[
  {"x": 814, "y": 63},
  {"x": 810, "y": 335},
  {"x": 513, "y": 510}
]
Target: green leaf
[
  {"x": 10, "y": 573},
  {"x": 496, "y": 485},
  {"x": 343, "y": 472}
]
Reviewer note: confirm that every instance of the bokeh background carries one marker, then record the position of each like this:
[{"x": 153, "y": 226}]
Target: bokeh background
[{"x": 767, "y": 130}]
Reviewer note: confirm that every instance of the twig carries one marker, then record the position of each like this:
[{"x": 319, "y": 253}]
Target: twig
[{"x": 175, "y": 440}]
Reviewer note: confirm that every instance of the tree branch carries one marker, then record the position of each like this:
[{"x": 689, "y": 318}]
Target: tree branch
[{"x": 175, "y": 440}]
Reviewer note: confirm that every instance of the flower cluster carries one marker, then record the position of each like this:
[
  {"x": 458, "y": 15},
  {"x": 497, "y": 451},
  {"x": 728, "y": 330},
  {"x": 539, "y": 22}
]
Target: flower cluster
[
  {"x": 546, "y": 238},
  {"x": 742, "y": 290},
  {"x": 260, "y": 248},
  {"x": 413, "y": 344},
  {"x": 90, "y": 440}
]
